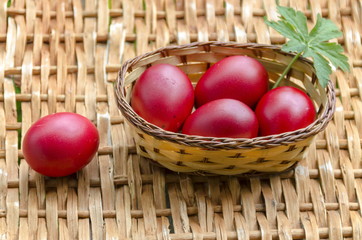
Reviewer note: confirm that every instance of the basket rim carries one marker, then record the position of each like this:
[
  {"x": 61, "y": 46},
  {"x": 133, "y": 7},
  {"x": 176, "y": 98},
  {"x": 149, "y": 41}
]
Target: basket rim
[{"x": 269, "y": 141}]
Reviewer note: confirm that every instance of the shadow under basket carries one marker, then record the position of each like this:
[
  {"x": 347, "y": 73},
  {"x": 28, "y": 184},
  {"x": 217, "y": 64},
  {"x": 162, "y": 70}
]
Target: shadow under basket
[{"x": 224, "y": 156}]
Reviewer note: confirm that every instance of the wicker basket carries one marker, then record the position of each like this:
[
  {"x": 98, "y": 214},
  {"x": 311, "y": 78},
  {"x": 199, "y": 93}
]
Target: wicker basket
[{"x": 224, "y": 156}]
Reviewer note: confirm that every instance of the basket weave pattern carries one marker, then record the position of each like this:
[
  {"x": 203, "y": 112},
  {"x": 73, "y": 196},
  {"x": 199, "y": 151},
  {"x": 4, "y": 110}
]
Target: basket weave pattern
[
  {"x": 65, "y": 56},
  {"x": 226, "y": 156}
]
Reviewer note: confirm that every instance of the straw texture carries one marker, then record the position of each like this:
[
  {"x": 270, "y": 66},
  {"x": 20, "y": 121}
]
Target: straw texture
[{"x": 65, "y": 55}]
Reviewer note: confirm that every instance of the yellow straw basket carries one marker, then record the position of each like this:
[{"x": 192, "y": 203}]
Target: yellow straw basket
[{"x": 224, "y": 156}]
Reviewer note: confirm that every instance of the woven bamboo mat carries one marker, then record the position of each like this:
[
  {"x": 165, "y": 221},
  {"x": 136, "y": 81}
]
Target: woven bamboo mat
[{"x": 64, "y": 56}]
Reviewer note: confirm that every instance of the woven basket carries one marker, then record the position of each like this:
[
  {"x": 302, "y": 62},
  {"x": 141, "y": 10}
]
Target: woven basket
[{"x": 224, "y": 156}]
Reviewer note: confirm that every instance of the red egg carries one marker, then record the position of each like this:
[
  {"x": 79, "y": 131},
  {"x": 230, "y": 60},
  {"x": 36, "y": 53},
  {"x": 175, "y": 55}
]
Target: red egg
[
  {"x": 60, "y": 144},
  {"x": 222, "y": 118},
  {"x": 163, "y": 96},
  {"x": 284, "y": 109},
  {"x": 238, "y": 77}
]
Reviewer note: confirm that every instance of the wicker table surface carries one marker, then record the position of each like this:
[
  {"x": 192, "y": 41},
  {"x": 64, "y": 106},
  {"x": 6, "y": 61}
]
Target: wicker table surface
[{"x": 65, "y": 55}]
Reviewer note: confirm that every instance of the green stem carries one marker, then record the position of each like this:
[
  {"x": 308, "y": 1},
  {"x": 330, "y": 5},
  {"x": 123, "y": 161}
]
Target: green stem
[{"x": 286, "y": 70}]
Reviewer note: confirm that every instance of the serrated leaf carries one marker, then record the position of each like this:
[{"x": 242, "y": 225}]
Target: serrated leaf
[
  {"x": 323, "y": 30},
  {"x": 293, "y": 46},
  {"x": 297, "y": 19},
  {"x": 321, "y": 66},
  {"x": 293, "y": 25},
  {"x": 284, "y": 28},
  {"x": 333, "y": 52}
]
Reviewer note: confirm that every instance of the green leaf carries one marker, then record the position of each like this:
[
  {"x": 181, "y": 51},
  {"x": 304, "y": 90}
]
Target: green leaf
[
  {"x": 297, "y": 19},
  {"x": 321, "y": 66},
  {"x": 284, "y": 28},
  {"x": 333, "y": 52},
  {"x": 323, "y": 30},
  {"x": 292, "y": 24},
  {"x": 293, "y": 46}
]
